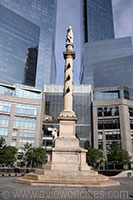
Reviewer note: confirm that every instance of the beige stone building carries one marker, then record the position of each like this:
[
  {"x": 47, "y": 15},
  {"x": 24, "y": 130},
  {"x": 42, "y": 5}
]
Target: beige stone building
[
  {"x": 21, "y": 114},
  {"x": 113, "y": 118}
]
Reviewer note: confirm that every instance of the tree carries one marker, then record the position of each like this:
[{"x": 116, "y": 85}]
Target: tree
[
  {"x": 118, "y": 156},
  {"x": 26, "y": 152},
  {"x": 38, "y": 156},
  {"x": 34, "y": 156},
  {"x": 93, "y": 156},
  {"x": 87, "y": 144},
  {"x": 124, "y": 158},
  {"x": 8, "y": 155}
]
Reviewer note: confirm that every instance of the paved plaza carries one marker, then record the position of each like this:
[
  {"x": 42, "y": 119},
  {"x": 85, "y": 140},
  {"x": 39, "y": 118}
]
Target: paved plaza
[{"x": 14, "y": 191}]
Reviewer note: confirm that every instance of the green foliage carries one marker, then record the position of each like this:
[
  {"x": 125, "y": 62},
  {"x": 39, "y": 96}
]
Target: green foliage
[
  {"x": 118, "y": 156},
  {"x": 8, "y": 155},
  {"x": 93, "y": 156},
  {"x": 34, "y": 156},
  {"x": 87, "y": 145}
]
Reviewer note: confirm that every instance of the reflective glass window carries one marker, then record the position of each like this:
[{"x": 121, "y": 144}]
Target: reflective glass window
[
  {"x": 4, "y": 120},
  {"x": 100, "y": 135},
  {"x": 23, "y": 142},
  {"x": 24, "y": 122},
  {"x": 106, "y": 95},
  {"x": 3, "y": 131},
  {"x": 113, "y": 135},
  {"x": 107, "y": 111},
  {"x": 27, "y": 94},
  {"x": 15, "y": 132},
  {"x": 26, "y": 109},
  {"x": 13, "y": 143},
  {"x": 5, "y": 106},
  {"x": 109, "y": 124},
  {"x": 6, "y": 91},
  {"x": 27, "y": 133}
]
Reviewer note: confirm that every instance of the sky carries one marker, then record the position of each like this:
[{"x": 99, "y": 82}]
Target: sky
[{"x": 69, "y": 15}]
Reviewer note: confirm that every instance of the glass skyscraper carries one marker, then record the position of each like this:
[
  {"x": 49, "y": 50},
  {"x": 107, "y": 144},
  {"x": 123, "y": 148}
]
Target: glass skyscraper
[
  {"x": 16, "y": 35},
  {"x": 97, "y": 20},
  {"x": 96, "y": 24},
  {"x": 100, "y": 51},
  {"x": 115, "y": 72},
  {"x": 43, "y": 14}
]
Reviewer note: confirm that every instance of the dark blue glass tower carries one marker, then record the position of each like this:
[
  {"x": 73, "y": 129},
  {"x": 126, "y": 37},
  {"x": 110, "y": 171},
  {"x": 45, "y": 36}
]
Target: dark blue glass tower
[
  {"x": 97, "y": 20},
  {"x": 96, "y": 24},
  {"x": 17, "y": 35},
  {"x": 43, "y": 14}
]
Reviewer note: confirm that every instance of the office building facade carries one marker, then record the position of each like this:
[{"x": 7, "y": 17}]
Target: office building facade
[
  {"x": 97, "y": 20},
  {"x": 113, "y": 119},
  {"x": 100, "y": 51},
  {"x": 20, "y": 115},
  {"x": 42, "y": 14},
  {"x": 53, "y": 97},
  {"x": 114, "y": 72},
  {"x": 96, "y": 24},
  {"x": 16, "y": 35}
]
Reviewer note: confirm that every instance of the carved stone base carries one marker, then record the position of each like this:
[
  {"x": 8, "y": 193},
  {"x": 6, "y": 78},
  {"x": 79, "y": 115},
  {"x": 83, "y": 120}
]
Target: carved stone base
[{"x": 67, "y": 167}]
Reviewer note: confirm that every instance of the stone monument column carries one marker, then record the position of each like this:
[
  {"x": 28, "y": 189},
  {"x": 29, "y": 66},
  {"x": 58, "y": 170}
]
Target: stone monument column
[
  {"x": 67, "y": 117},
  {"x": 69, "y": 56}
]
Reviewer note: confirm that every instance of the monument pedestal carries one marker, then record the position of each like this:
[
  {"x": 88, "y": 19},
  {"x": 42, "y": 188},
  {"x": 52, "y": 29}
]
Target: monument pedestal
[{"x": 67, "y": 165}]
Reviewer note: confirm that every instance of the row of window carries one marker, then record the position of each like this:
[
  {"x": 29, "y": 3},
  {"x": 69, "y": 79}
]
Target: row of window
[
  {"x": 26, "y": 109},
  {"x": 18, "y": 121},
  {"x": 23, "y": 142},
  {"x": 109, "y": 124},
  {"x": 5, "y": 106},
  {"x": 20, "y": 108},
  {"x": 20, "y": 93},
  {"x": 108, "y": 111},
  {"x": 27, "y": 133},
  {"x": 24, "y": 122},
  {"x": 110, "y": 135}
]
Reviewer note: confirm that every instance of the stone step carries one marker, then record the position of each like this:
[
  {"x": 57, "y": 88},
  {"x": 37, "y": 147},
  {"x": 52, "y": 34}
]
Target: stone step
[
  {"x": 83, "y": 173},
  {"x": 59, "y": 183},
  {"x": 66, "y": 178}
]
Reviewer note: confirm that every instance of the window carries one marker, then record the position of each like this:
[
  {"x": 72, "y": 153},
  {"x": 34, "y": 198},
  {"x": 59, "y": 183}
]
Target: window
[
  {"x": 131, "y": 124},
  {"x": 3, "y": 131},
  {"x": 26, "y": 109},
  {"x": 23, "y": 142},
  {"x": 108, "y": 124},
  {"x": 15, "y": 132},
  {"x": 100, "y": 145},
  {"x": 107, "y": 111},
  {"x": 28, "y": 94},
  {"x": 5, "y": 106},
  {"x": 13, "y": 143},
  {"x": 114, "y": 135},
  {"x": 24, "y": 122},
  {"x": 130, "y": 112},
  {"x": 106, "y": 95},
  {"x": 4, "y": 120},
  {"x": 100, "y": 135},
  {"x": 27, "y": 133}
]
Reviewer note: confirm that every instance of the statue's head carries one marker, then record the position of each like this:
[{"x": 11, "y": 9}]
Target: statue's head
[{"x": 69, "y": 27}]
